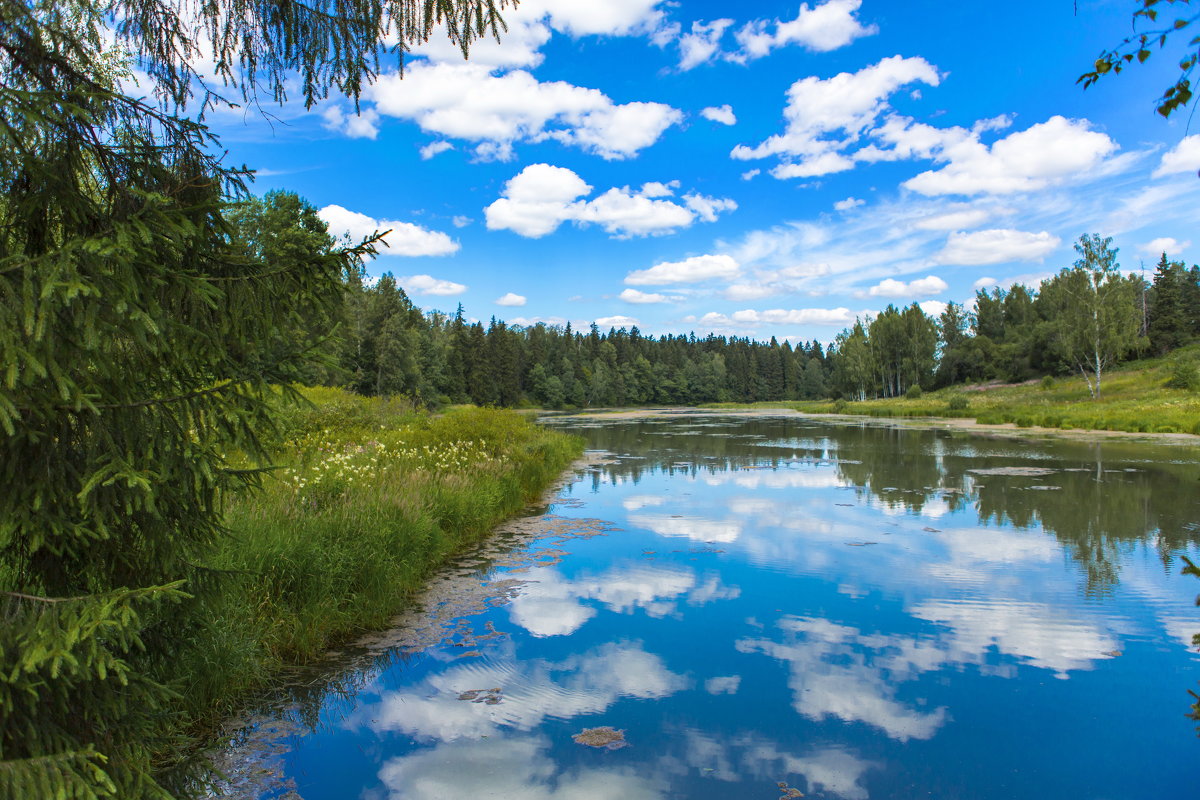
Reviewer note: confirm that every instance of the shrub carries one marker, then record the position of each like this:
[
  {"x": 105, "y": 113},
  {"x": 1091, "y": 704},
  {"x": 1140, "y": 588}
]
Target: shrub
[
  {"x": 1185, "y": 374},
  {"x": 1047, "y": 382},
  {"x": 959, "y": 403},
  {"x": 914, "y": 392},
  {"x": 840, "y": 406}
]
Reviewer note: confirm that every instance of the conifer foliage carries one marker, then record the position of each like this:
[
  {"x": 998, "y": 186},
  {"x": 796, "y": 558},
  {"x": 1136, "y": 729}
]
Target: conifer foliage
[{"x": 140, "y": 337}]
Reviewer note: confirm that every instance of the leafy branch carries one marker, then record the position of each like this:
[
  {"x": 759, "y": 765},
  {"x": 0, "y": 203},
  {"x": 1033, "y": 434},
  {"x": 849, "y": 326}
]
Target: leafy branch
[{"x": 1138, "y": 48}]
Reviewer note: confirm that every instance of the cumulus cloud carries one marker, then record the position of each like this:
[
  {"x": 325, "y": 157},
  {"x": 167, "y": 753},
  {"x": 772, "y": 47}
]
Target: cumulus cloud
[
  {"x": 427, "y": 284},
  {"x": 824, "y": 116},
  {"x": 405, "y": 238},
  {"x": 541, "y": 197},
  {"x": 722, "y": 114},
  {"x": 1166, "y": 244},
  {"x": 433, "y": 148},
  {"x": 617, "y": 321},
  {"x": 922, "y": 287},
  {"x": 361, "y": 125},
  {"x": 996, "y": 246},
  {"x": 933, "y": 308},
  {"x": 472, "y": 102},
  {"x": 848, "y": 204},
  {"x": 690, "y": 270},
  {"x": 511, "y": 299},
  {"x": 1042, "y": 155},
  {"x": 818, "y": 28},
  {"x": 1183, "y": 157},
  {"x": 702, "y": 44},
  {"x": 531, "y": 24},
  {"x": 984, "y": 283},
  {"x": 643, "y": 298}
]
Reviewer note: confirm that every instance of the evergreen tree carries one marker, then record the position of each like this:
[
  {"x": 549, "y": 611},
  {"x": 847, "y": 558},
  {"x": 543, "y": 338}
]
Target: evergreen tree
[{"x": 1168, "y": 327}]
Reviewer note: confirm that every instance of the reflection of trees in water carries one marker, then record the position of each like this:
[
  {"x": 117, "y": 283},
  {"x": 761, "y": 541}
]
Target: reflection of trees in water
[{"x": 1110, "y": 495}]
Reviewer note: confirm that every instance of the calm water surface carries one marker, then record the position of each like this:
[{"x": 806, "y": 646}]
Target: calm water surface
[{"x": 855, "y": 611}]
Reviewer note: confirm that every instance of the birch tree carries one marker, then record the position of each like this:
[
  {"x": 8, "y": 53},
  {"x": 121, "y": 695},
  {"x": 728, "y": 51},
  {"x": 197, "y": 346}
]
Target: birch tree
[{"x": 1097, "y": 319}]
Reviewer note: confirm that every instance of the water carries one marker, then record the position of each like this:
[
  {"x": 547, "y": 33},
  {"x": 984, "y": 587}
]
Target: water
[{"x": 777, "y": 605}]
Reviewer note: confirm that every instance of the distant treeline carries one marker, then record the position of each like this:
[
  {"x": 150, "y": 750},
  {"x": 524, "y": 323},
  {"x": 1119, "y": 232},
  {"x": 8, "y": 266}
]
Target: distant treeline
[{"x": 1085, "y": 318}]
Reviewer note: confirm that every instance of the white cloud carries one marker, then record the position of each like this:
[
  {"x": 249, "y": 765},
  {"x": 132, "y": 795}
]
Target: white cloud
[
  {"x": 723, "y": 685},
  {"x": 954, "y": 220},
  {"x": 996, "y": 246},
  {"x": 1165, "y": 244},
  {"x": 634, "y": 296},
  {"x": 433, "y": 148},
  {"x": 1042, "y": 155},
  {"x": 530, "y": 25},
  {"x": 819, "y": 28},
  {"x": 690, "y": 270},
  {"x": 461, "y": 221},
  {"x": 751, "y": 291},
  {"x": 890, "y": 287},
  {"x": 541, "y": 197},
  {"x": 361, "y": 125},
  {"x": 427, "y": 284},
  {"x": 751, "y": 174},
  {"x": 779, "y": 316},
  {"x": 824, "y": 116},
  {"x": 848, "y": 204},
  {"x": 1183, "y": 157},
  {"x": 702, "y": 43},
  {"x": 984, "y": 283},
  {"x": 617, "y": 321},
  {"x": 933, "y": 308},
  {"x": 529, "y": 322},
  {"x": 708, "y": 208},
  {"x": 405, "y": 239},
  {"x": 722, "y": 114},
  {"x": 511, "y": 299},
  {"x": 468, "y": 101},
  {"x": 610, "y": 18}
]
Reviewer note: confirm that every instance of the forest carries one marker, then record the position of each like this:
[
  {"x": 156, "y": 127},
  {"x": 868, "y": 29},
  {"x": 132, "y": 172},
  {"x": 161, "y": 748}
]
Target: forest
[{"x": 386, "y": 345}]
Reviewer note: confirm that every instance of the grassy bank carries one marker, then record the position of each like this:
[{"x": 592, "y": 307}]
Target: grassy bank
[
  {"x": 1136, "y": 398},
  {"x": 371, "y": 498}
]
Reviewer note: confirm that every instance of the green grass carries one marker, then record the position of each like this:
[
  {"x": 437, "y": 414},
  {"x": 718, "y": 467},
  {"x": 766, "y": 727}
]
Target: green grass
[
  {"x": 1135, "y": 398},
  {"x": 371, "y": 498}
]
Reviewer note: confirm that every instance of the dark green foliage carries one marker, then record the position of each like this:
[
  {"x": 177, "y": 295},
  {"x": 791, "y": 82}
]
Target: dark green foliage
[
  {"x": 1170, "y": 323},
  {"x": 391, "y": 347},
  {"x": 141, "y": 333},
  {"x": 1185, "y": 374}
]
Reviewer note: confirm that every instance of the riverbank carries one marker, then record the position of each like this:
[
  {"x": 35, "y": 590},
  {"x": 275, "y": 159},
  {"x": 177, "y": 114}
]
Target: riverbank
[
  {"x": 371, "y": 498},
  {"x": 1137, "y": 399}
]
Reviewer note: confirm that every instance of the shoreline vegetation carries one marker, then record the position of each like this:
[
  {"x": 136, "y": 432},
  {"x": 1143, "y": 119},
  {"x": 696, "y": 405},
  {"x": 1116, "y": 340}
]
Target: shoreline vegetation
[
  {"x": 371, "y": 497},
  {"x": 1138, "y": 400}
]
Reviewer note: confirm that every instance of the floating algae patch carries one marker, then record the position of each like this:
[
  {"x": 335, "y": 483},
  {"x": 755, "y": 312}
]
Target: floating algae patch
[
  {"x": 1021, "y": 472},
  {"x": 602, "y": 737}
]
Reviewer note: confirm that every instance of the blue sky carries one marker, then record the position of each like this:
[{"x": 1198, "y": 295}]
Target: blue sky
[{"x": 774, "y": 171}]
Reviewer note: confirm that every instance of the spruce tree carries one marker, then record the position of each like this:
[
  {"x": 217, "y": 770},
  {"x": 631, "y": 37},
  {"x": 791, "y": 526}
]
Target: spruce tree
[{"x": 140, "y": 340}]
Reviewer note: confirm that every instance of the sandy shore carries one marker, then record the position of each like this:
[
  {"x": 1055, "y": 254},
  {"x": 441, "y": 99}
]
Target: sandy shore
[{"x": 948, "y": 423}]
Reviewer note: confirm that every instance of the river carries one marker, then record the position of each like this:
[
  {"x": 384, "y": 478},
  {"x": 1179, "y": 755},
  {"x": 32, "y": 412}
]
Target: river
[{"x": 775, "y": 606}]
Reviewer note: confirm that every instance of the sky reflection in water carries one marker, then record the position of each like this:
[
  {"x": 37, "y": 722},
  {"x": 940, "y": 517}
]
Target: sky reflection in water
[{"x": 858, "y": 611}]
